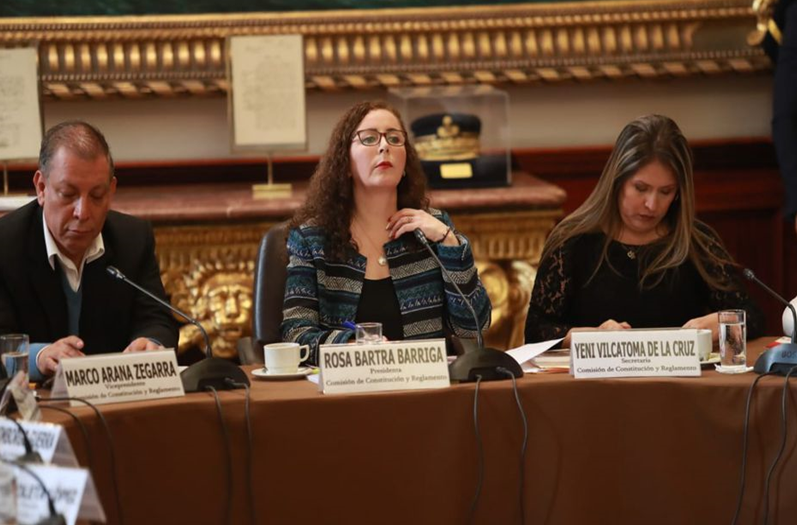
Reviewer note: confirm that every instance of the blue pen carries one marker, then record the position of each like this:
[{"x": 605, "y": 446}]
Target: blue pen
[{"x": 349, "y": 325}]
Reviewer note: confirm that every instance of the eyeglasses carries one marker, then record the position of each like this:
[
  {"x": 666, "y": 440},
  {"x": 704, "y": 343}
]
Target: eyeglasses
[{"x": 372, "y": 137}]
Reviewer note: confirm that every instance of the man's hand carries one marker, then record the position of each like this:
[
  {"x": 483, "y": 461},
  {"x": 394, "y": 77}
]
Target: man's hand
[
  {"x": 142, "y": 344},
  {"x": 51, "y": 355}
]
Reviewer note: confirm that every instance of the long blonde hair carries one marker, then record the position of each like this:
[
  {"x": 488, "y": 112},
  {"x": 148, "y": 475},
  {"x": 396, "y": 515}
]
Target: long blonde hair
[{"x": 642, "y": 141}]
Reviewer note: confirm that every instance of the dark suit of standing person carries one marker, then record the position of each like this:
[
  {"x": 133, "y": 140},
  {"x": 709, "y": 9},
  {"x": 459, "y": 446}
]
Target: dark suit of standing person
[
  {"x": 778, "y": 35},
  {"x": 53, "y": 281}
]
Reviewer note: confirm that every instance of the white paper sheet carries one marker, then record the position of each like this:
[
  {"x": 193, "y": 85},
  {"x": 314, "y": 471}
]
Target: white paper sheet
[{"x": 524, "y": 353}]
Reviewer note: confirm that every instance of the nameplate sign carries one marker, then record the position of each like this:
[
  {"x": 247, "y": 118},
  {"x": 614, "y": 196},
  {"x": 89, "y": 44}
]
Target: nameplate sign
[
  {"x": 635, "y": 353},
  {"x": 117, "y": 378},
  {"x": 43, "y": 438},
  {"x": 65, "y": 485},
  {"x": 399, "y": 365}
]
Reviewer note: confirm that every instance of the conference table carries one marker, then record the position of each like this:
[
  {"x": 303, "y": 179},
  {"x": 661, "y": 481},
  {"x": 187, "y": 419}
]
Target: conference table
[{"x": 637, "y": 451}]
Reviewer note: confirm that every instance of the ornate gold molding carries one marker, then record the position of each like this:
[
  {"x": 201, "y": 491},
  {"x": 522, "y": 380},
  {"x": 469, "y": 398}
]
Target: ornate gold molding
[
  {"x": 165, "y": 56},
  {"x": 170, "y": 55}
]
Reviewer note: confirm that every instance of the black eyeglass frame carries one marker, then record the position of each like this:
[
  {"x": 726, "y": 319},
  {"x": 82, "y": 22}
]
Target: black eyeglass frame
[{"x": 399, "y": 132}]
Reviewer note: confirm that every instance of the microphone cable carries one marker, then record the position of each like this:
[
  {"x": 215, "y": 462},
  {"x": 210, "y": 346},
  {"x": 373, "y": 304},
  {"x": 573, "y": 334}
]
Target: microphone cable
[
  {"x": 783, "y": 430},
  {"x": 525, "y": 441},
  {"x": 55, "y": 518},
  {"x": 30, "y": 454},
  {"x": 250, "y": 474},
  {"x": 83, "y": 430},
  {"x": 743, "y": 476},
  {"x": 111, "y": 445},
  {"x": 226, "y": 436},
  {"x": 480, "y": 475}
]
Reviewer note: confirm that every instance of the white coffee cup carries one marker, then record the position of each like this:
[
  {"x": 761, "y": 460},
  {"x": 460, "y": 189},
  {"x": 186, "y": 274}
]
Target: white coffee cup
[
  {"x": 284, "y": 358},
  {"x": 704, "y": 344}
]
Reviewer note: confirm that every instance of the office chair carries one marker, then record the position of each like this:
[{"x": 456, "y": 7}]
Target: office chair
[{"x": 268, "y": 294}]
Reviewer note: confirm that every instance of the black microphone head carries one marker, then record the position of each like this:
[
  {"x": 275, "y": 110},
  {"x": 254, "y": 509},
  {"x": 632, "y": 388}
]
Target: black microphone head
[
  {"x": 748, "y": 273},
  {"x": 420, "y": 236},
  {"x": 114, "y": 272}
]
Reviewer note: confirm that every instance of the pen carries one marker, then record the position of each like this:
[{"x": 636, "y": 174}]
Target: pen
[{"x": 349, "y": 325}]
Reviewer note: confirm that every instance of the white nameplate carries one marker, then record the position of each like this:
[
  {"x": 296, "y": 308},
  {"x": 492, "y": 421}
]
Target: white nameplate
[
  {"x": 65, "y": 485},
  {"x": 635, "y": 353},
  {"x": 399, "y": 365},
  {"x": 43, "y": 438},
  {"x": 116, "y": 378}
]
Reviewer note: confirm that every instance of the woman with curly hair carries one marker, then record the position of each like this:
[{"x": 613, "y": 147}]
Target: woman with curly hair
[
  {"x": 353, "y": 255},
  {"x": 634, "y": 255}
]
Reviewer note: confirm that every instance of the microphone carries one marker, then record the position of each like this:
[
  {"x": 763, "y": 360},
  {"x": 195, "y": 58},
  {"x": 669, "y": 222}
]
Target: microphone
[
  {"x": 781, "y": 358},
  {"x": 211, "y": 371},
  {"x": 488, "y": 363}
]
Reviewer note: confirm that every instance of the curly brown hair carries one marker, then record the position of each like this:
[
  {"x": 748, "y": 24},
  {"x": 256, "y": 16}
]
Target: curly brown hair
[{"x": 330, "y": 198}]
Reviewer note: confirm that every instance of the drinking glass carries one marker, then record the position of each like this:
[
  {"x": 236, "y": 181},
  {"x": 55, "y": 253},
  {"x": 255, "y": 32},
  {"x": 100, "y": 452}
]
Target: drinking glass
[
  {"x": 14, "y": 353},
  {"x": 368, "y": 333},
  {"x": 733, "y": 338}
]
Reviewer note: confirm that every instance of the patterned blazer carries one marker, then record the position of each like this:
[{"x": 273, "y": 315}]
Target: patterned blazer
[{"x": 320, "y": 294}]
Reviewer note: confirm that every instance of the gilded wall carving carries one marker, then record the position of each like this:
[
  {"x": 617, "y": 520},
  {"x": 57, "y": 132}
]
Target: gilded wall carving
[
  {"x": 208, "y": 270},
  {"x": 166, "y": 56}
]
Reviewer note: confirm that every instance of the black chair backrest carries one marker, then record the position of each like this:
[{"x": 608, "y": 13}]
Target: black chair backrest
[{"x": 269, "y": 287}]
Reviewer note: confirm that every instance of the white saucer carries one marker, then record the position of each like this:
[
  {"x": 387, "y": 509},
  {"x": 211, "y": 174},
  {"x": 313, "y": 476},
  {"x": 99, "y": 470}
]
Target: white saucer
[
  {"x": 733, "y": 369},
  {"x": 263, "y": 373}
]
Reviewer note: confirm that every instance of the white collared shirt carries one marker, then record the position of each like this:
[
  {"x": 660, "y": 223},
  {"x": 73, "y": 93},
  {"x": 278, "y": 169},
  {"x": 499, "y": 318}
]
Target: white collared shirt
[{"x": 73, "y": 274}]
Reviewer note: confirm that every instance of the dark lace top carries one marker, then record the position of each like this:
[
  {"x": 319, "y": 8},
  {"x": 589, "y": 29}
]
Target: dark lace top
[{"x": 564, "y": 296}]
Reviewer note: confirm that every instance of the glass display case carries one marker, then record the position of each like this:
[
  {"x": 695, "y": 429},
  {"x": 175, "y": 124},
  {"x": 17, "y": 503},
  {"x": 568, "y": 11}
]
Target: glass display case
[{"x": 461, "y": 133}]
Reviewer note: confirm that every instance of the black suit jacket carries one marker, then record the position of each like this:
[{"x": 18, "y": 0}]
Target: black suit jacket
[{"x": 32, "y": 298}]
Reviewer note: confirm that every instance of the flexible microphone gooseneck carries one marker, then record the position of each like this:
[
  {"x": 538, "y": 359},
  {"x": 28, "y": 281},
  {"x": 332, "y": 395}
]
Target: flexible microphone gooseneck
[
  {"x": 480, "y": 362},
  {"x": 117, "y": 274},
  {"x": 211, "y": 371},
  {"x": 781, "y": 358}
]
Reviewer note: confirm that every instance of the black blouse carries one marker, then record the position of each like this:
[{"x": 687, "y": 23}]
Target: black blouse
[
  {"x": 378, "y": 304},
  {"x": 566, "y": 294}
]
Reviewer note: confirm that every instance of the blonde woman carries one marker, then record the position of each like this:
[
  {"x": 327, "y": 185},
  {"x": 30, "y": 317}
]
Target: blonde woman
[{"x": 634, "y": 255}]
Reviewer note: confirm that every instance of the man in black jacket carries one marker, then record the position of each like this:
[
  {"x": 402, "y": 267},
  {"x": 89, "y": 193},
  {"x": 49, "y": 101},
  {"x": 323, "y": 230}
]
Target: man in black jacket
[{"x": 55, "y": 250}]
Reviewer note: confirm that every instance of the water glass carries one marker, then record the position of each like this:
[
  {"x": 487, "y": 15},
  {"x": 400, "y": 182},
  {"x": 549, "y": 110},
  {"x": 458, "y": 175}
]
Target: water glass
[
  {"x": 368, "y": 333},
  {"x": 14, "y": 353},
  {"x": 733, "y": 338}
]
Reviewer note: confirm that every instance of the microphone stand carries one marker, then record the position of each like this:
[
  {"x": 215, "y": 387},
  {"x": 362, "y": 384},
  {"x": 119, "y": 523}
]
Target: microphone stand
[
  {"x": 211, "y": 371},
  {"x": 783, "y": 357},
  {"x": 488, "y": 364}
]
